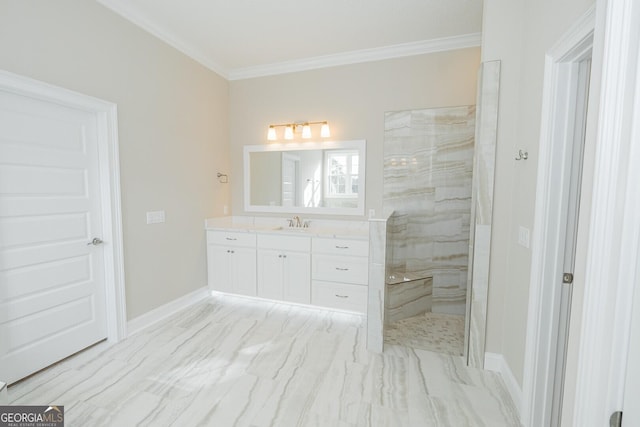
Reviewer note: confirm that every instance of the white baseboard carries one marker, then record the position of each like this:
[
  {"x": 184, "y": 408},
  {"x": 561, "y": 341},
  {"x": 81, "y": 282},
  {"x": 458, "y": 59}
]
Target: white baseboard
[
  {"x": 157, "y": 314},
  {"x": 495, "y": 362}
]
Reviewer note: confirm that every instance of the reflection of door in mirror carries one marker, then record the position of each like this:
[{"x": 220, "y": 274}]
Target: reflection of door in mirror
[
  {"x": 290, "y": 164},
  {"x": 310, "y": 179}
]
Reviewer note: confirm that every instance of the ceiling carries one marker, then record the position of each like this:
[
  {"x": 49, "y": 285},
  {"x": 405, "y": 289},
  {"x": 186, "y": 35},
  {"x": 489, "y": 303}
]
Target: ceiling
[{"x": 248, "y": 38}]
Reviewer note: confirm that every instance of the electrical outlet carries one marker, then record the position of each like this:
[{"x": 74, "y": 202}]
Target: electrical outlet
[
  {"x": 226, "y": 210},
  {"x": 372, "y": 213},
  {"x": 523, "y": 236},
  {"x": 155, "y": 217}
]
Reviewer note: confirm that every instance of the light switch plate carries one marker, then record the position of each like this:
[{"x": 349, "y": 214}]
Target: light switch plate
[
  {"x": 155, "y": 217},
  {"x": 523, "y": 236}
]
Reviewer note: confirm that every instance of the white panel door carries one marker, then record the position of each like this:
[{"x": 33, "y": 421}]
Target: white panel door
[{"x": 52, "y": 287}]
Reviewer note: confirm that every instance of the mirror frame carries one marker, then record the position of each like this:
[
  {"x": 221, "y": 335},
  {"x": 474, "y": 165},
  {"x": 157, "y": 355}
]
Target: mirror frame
[{"x": 360, "y": 145}]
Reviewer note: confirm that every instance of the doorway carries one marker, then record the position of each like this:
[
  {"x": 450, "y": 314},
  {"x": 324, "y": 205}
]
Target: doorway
[
  {"x": 61, "y": 262},
  {"x": 567, "y": 77},
  {"x": 290, "y": 168}
]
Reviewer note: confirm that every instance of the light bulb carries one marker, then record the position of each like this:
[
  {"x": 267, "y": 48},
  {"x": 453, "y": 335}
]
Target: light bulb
[
  {"x": 271, "y": 135},
  {"x": 288, "y": 132},
  {"x": 325, "y": 132},
  {"x": 306, "y": 131}
]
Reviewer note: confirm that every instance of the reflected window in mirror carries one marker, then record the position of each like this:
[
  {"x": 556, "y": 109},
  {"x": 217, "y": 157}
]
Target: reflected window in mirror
[
  {"x": 326, "y": 177},
  {"x": 342, "y": 173}
]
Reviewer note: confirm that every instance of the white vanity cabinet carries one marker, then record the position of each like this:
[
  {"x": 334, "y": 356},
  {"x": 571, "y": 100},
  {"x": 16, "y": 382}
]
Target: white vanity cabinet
[
  {"x": 284, "y": 268},
  {"x": 326, "y": 266},
  {"x": 340, "y": 273},
  {"x": 231, "y": 262}
]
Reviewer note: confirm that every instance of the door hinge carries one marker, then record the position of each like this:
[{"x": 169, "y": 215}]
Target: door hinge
[
  {"x": 616, "y": 419},
  {"x": 567, "y": 278}
]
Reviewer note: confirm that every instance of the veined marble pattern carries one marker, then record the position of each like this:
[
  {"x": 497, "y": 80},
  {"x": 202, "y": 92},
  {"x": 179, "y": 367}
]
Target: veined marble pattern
[
  {"x": 428, "y": 165},
  {"x": 4, "y": 398},
  {"x": 376, "y": 290},
  {"x": 230, "y": 361},
  {"x": 442, "y": 333},
  {"x": 482, "y": 208},
  {"x": 407, "y": 297}
]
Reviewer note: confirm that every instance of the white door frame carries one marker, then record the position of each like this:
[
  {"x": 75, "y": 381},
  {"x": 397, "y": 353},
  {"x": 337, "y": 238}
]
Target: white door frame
[
  {"x": 613, "y": 246},
  {"x": 548, "y": 238},
  {"x": 614, "y": 243},
  {"x": 107, "y": 127}
]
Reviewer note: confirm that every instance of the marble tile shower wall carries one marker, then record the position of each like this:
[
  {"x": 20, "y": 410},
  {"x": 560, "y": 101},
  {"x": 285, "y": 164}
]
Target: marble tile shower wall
[{"x": 428, "y": 166}]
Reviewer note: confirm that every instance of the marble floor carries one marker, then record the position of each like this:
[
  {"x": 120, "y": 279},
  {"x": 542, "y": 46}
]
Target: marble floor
[
  {"x": 442, "y": 333},
  {"x": 232, "y": 362}
]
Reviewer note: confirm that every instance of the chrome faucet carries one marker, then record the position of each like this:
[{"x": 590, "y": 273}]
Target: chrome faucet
[{"x": 297, "y": 222}]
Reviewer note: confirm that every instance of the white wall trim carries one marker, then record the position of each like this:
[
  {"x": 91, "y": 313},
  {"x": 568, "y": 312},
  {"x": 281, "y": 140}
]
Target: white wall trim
[
  {"x": 158, "y": 314},
  {"x": 129, "y": 12},
  {"x": 106, "y": 118},
  {"x": 613, "y": 229},
  {"x": 496, "y": 363},
  {"x": 358, "y": 56},
  {"x": 549, "y": 222}
]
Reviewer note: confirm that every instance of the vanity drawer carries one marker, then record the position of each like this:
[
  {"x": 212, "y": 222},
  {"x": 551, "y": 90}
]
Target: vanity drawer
[
  {"x": 344, "y": 269},
  {"x": 339, "y": 296},
  {"x": 231, "y": 238},
  {"x": 341, "y": 246},
  {"x": 285, "y": 243}
]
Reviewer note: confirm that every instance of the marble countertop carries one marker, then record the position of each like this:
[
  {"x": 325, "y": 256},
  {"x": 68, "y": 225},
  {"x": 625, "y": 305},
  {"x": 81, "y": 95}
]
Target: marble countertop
[{"x": 338, "y": 229}]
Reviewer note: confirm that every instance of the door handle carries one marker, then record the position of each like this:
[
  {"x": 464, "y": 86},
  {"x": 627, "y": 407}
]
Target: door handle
[{"x": 95, "y": 242}]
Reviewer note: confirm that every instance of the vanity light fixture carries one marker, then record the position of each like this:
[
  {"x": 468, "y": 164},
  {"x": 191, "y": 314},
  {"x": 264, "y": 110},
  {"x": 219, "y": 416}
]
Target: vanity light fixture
[
  {"x": 325, "y": 132},
  {"x": 271, "y": 135},
  {"x": 291, "y": 128},
  {"x": 306, "y": 131},
  {"x": 288, "y": 132}
]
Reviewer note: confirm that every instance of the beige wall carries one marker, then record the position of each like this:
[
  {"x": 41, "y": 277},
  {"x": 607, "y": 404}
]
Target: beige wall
[
  {"x": 519, "y": 33},
  {"x": 173, "y": 121},
  {"x": 353, "y": 99}
]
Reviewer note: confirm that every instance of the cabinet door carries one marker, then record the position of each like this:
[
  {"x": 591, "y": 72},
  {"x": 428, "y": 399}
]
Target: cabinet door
[
  {"x": 270, "y": 274},
  {"x": 297, "y": 277},
  {"x": 219, "y": 269},
  {"x": 243, "y": 264}
]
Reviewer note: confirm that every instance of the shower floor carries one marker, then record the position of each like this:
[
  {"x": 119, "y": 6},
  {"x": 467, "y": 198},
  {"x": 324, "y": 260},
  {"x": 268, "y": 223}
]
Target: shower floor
[{"x": 442, "y": 333}]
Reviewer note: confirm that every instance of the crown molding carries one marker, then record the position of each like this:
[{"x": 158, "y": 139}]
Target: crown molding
[
  {"x": 358, "y": 56},
  {"x": 131, "y": 14}
]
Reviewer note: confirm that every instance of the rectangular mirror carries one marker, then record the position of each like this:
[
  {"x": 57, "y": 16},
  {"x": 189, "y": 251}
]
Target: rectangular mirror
[{"x": 310, "y": 177}]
